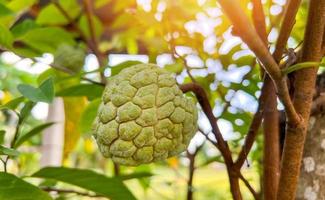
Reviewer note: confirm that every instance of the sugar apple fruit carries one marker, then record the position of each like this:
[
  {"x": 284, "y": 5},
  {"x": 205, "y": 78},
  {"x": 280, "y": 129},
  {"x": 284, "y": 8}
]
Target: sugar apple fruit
[
  {"x": 69, "y": 57},
  {"x": 144, "y": 116}
]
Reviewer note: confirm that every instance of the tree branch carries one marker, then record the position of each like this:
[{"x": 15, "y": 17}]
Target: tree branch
[
  {"x": 206, "y": 107},
  {"x": 221, "y": 143},
  {"x": 250, "y": 37},
  {"x": 259, "y": 20},
  {"x": 286, "y": 28},
  {"x": 304, "y": 88},
  {"x": 92, "y": 43},
  {"x": 250, "y": 188}
]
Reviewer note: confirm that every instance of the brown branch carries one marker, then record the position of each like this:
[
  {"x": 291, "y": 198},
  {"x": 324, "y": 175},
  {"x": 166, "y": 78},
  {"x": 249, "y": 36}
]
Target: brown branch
[
  {"x": 51, "y": 189},
  {"x": 259, "y": 20},
  {"x": 304, "y": 88},
  {"x": 286, "y": 28},
  {"x": 249, "y": 35},
  {"x": 251, "y": 135},
  {"x": 191, "y": 171},
  {"x": 206, "y": 107},
  {"x": 88, "y": 7},
  {"x": 207, "y": 137},
  {"x": 323, "y": 45},
  {"x": 221, "y": 143},
  {"x": 250, "y": 188},
  {"x": 116, "y": 169},
  {"x": 66, "y": 70},
  {"x": 92, "y": 43},
  {"x": 270, "y": 114},
  {"x": 253, "y": 129}
]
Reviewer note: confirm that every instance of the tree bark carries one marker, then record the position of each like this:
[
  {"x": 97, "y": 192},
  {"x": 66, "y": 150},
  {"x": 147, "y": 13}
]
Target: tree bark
[
  {"x": 311, "y": 185},
  {"x": 303, "y": 95},
  {"x": 271, "y": 158}
]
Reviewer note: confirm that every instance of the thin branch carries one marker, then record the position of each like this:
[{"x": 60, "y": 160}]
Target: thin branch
[
  {"x": 192, "y": 168},
  {"x": 286, "y": 28},
  {"x": 89, "y": 13},
  {"x": 250, "y": 188},
  {"x": 92, "y": 44},
  {"x": 206, "y": 107},
  {"x": 249, "y": 35},
  {"x": 253, "y": 129},
  {"x": 207, "y": 137},
  {"x": 221, "y": 143},
  {"x": 51, "y": 189},
  {"x": 259, "y": 20}
]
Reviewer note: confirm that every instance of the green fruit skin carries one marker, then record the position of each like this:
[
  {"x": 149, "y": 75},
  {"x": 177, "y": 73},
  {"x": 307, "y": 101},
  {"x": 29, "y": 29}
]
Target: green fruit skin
[
  {"x": 69, "y": 57},
  {"x": 144, "y": 117}
]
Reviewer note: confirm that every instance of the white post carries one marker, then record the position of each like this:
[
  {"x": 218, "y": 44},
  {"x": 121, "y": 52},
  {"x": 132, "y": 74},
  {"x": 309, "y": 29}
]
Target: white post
[{"x": 53, "y": 137}]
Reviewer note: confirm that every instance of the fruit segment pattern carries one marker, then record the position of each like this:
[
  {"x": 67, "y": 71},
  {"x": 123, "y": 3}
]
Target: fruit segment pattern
[{"x": 144, "y": 116}]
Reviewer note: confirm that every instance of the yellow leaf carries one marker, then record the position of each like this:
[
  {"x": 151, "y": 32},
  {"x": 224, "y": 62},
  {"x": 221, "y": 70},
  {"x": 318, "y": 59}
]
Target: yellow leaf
[{"x": 73, "y": 107}]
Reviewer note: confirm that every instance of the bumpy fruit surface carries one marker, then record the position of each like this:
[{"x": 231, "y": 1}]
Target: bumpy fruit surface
[
  {"x": 144, "y": 116},
  {"x": 69, "y": 57}
]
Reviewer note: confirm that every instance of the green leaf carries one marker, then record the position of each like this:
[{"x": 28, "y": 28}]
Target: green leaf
[
  {"x": 117, "y": 68},
  {"x": 300, "y": 66},
  {"x": 2, "y": 136},
  {"x": 23, "y": 27},
  {"x": 45, "y": 92},
  {"x": 4, "y": 10},
  {"x": 19, "y": 5},
  {"x": 112, "y": 188},
  {"x": 176, "y": 68},
  {"x": 14, "y": 188},
  {"x": 51, "y": 38},
  {"x": 25, "y": 111},
  {"x": 36, "y": 130},
  {"x": 98, "y": 26},
  {"x": 6, "y": 38},
  {"x": 136, "y": 175},
  {"x": 13, "y": 104},
  {"x": 91, "y": 91},
  {"x": 88, "y": 116},
  {"x": 45, "y": 17},
  {"x": 8, "y": 151}
]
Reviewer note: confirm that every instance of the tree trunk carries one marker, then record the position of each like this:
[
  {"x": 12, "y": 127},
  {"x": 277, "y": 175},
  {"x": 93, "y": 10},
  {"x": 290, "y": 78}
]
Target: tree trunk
[
  {"x": 311, "y": 184},
  {"x": 312, "y": 179}
]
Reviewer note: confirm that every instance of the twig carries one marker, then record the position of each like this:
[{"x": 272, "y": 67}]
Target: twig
[
  {"x": 192, "y": 168},
  {"x": 286, "y": 27},
  {"x": 89, "y": 13},
  {"x": 221, "y": 143},
  {"x": 51, "y": 189},
  {"x": 248, "y": 185},
  {"x": 207, "y": 137},
  {"x": 92, "y": 44},
  {"x": 253, "y": 130},
  {"x": 88, "y": 7},
  {"x": 116, "y": 169},
  {"x": 206, "y": 107}
]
